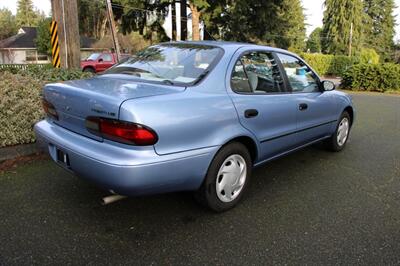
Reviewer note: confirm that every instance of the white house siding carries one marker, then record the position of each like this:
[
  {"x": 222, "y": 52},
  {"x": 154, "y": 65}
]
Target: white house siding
[{"x": 12, "y": 56}]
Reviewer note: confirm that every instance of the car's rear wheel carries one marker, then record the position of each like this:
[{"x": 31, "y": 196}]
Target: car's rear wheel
[
  {"x": 338, "y": 140},
  {"x": 226, "y": 179}
]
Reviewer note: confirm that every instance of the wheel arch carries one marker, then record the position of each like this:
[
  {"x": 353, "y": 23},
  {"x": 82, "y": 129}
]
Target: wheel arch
[
  {"x": 249, "y": 143},
  {"x": 349, "y": 109},
  {"x": 89, "y": 67}
]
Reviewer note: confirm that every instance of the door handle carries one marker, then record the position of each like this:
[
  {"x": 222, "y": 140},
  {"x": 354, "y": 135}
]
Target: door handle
[
  {"x": 250, "y": 113},
  {"x": 303, "y": 106}
]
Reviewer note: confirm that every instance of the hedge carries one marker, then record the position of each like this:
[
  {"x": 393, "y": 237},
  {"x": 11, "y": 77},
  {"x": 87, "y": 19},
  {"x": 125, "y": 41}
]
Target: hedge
[
  {"x": 20, "y": 103},
  {"x": 47, "y": 73},
  {"x": 330, "y": 65},
  {"x": 372, "y": 77}
]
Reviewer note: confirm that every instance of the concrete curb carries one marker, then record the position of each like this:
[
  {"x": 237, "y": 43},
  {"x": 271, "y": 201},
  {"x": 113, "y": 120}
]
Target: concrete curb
[{"x": 13, "y": 152}]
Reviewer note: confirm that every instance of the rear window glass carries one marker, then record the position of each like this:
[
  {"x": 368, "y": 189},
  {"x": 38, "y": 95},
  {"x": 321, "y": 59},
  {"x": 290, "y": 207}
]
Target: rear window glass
[{"x": 171, "y": 63}]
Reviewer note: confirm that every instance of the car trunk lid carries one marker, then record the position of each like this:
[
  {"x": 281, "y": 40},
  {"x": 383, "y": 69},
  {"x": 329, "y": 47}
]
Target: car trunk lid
[{"x": 75, "y": 100}]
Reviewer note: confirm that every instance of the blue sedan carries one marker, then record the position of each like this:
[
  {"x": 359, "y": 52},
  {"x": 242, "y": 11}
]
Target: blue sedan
[{"x": 191, "y": 116}]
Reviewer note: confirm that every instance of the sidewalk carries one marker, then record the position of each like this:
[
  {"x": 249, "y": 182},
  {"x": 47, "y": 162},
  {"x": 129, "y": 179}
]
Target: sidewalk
[{"x": 12, "y": 152}]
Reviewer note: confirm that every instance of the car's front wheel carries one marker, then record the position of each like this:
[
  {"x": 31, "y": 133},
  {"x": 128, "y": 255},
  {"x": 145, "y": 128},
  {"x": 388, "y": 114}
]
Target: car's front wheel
[
  {"x": 338, "y": 140},
  {"x": 227, "y": 178}
]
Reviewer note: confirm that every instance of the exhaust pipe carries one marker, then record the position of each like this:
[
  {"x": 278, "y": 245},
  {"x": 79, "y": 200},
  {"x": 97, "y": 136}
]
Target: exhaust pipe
[{"x": 112, "y": 198}]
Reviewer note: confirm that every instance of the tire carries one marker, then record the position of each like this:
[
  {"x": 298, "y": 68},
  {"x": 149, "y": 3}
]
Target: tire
[
  {"x": 337, "y": 143},
  {"x": 89, "y": 69},
  {"x": 212, "y": 192}
]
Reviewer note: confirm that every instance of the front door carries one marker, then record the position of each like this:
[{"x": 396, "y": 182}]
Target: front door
[
  {"x": 262, "y": 101},
  {"x": 316, "y": 109}
]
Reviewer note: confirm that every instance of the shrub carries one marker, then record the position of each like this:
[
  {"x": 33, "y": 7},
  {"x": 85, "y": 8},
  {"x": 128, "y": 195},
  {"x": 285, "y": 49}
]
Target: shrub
[
  {"x": 47, "y": 72},
  {"x": 20, "y": 108},
  {"x": 370, "y": 77},
  {"x": 20, "y": 103},
  {"x": 334, "y": 65},
  {"x": 369, "y": 56}
]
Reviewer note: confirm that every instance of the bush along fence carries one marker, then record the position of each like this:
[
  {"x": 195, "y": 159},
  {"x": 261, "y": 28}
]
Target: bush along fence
[
  {"x": 20, "y": 100},
  {"x": 372, "y": 77},
  {"x": 337, "y": 65},
  {"x": 330, "y": 65}
]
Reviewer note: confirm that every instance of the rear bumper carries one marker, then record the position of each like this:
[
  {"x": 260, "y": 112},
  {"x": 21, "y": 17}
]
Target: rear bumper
[{"x": 126, "y": 170}]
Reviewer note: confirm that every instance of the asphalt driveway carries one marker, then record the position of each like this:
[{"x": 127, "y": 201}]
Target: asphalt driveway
[{"x": 312, "y": 207}]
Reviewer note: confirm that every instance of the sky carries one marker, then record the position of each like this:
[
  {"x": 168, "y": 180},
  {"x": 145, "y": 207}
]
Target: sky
[{"x": 313, "y": 10}]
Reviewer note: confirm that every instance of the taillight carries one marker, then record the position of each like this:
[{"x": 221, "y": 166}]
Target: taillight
[
  {"x": 121, "y": 131},
  {"x": 49, "y": 109}
]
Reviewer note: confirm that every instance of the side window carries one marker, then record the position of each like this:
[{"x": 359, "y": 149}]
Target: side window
[
  {"x": 106, "y": 57},
  {"x": 257, "y": 72},
  {"x": 301, "y": 78},
  {"x": 239, "y": 80}
]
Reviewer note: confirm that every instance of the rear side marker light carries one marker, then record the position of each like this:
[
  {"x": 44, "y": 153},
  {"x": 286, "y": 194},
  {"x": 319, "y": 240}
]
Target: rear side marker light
[
  {"x": 121, "y": 131},
  {"x": 49, "y": 109}
]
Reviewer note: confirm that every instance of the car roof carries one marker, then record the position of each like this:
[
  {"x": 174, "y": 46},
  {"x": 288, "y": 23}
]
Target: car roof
[{"x": 227, "y": 45}]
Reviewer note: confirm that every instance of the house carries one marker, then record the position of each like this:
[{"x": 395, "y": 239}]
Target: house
[{"x": 21, "y": 48}]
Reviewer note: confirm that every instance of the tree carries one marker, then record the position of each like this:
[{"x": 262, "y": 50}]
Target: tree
[
  {"x": 379, "y": 26},
  {"x": 92, "y": 18},
  {"x": 339, "y": 17},
  {"x": 26, "y": 15},
  {"x": 8, "y": 25},
  {"x": 145, "y": 17},
  {"x": 42, "y": 40},
  {"x": 275, "y": 22},
  {"x": 291, "y": 31},
  {"x": 314, "y": 41},
  {"x": 196, "y": 7}
]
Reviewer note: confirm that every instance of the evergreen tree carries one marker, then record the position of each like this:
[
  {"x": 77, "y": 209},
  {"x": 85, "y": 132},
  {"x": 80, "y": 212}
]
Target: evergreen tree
[
  {"x": 291, "y": 33},
  {"x": 276, "y": 22},
  {"x": 379, "y": 26},
  {"x": 42, "y": 40},
  {"x": 26, "y": 15},
  {"x": 314, "y": 41},
  {"x": 338, "y": 18},
  {"x": 93, "y": 20},
  {"x": 8, "y": 25}
]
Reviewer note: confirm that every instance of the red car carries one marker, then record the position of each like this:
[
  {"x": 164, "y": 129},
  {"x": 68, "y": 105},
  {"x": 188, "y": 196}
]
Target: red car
[{"x": 99, "y": 62}]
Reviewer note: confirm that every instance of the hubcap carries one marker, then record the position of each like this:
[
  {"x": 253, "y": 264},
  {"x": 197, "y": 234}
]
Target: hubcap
[
  {"x": 231, "y": 178},
  {"x": 343, "y": 131}
]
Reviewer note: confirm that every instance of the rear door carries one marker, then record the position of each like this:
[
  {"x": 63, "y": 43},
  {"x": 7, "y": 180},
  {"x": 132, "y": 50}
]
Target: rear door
[
  {"x": 264, "y": 105},
  {"x": 316, "y": 109},
  {"x": 105, "y": 61}
]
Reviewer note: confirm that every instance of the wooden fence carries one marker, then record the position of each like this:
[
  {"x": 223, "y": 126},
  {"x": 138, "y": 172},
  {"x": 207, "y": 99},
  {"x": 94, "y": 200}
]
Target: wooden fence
[{"x": 21, "y": 66}]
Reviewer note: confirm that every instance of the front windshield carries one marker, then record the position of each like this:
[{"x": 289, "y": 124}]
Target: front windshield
[
  {"x": 93, "y": 57},
  {"x": 170, "y": 63}
]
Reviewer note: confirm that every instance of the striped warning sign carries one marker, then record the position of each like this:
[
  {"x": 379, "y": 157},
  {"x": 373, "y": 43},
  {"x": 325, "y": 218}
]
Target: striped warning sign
[{"x": 55, "y": 47}]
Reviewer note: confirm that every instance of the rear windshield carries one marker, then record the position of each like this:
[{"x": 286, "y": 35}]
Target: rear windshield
[{"x": 178, "y": 63}]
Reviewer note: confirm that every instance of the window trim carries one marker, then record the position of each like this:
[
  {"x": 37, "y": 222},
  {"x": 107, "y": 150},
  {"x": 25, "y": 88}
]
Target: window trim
[
  {"x": 284, "y": 77},
  {"x": 319, "y": 83}
]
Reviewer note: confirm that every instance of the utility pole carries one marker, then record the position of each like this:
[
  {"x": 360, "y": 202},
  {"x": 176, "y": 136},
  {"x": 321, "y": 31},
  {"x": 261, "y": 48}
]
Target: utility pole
[
  {"x": 113, "y": 30},
  {"x": 65, "y": 13},
  {"x": 351, "y": 38}
]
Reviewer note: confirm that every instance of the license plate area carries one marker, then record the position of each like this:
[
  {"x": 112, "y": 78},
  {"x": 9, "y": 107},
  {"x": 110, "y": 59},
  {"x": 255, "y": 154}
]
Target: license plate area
[{"x": 62, "y": 157}]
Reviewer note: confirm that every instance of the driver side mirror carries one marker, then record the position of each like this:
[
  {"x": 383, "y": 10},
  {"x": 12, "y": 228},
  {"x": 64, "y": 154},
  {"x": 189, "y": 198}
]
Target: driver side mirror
[
  {"x": 100, "y": 60},
  {"x": 328, "y": 85}
]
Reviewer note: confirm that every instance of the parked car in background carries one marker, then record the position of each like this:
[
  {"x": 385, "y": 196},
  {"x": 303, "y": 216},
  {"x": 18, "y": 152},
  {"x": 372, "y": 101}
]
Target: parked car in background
[
  {"x": 194, "y": 116},
  {"x": 99, "y": 62}
]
